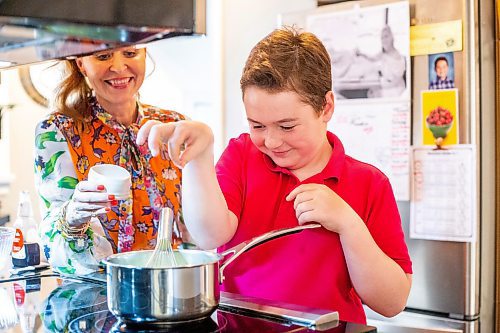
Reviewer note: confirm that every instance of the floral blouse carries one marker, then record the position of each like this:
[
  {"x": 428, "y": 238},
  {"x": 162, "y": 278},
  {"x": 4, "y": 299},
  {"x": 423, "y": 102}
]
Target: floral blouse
[{"x": 63, "y": 157}]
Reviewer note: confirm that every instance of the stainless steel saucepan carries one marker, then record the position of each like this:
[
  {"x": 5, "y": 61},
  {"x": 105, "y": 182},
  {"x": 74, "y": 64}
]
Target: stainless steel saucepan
[{"x": 187, "y": 292}]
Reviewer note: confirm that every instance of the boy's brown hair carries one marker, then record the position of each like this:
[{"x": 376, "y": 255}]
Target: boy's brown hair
[{"x": 290, "y": 60}]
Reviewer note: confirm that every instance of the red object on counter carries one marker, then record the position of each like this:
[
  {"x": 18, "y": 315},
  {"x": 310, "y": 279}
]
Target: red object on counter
[
  {"x": 19, "y": 293},
  {"x": 18, "y": 241}
]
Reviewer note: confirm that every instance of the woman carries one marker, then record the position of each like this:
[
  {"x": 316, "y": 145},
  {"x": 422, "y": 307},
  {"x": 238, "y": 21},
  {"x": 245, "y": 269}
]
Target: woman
[{"x": 96, "y": 121}]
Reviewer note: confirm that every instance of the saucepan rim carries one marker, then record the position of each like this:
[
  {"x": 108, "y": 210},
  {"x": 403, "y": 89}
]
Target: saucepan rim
[{"x": 213, "y": 258}]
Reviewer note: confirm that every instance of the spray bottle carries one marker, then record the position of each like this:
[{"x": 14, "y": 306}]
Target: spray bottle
[{"x": 26, "y": 250}]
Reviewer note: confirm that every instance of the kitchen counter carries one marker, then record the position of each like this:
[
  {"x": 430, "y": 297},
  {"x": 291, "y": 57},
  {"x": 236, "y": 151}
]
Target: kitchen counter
[{"x": 47, "y": 302}]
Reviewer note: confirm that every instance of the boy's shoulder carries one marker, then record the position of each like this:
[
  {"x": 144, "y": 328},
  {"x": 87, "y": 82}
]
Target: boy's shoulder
[{"x": 364, "y": 170}]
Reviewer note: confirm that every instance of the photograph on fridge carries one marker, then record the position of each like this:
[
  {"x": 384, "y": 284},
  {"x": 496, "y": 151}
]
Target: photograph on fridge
[
  {"x": 440, "y": 117},
  {"x": 441, "y": 71},
  {"x": 369, "y": 48}
]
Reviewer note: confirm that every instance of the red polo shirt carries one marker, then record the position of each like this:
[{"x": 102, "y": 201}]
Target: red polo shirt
[{"x": 307, "y": 268}]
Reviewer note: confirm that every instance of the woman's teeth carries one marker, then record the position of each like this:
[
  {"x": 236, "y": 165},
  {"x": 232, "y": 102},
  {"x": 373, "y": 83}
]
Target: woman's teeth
[{"x": 119, "y": 82}]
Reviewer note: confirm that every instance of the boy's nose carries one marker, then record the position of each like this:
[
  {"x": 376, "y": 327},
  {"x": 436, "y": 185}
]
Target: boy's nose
[{"x": 272, "y": 141}]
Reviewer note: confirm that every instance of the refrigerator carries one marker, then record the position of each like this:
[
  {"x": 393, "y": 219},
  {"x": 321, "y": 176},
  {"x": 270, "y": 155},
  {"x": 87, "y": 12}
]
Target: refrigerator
[{"x": 453, "y": 282}]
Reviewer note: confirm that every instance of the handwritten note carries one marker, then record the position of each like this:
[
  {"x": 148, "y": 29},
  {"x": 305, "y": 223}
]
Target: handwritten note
[
  {"x": 443, "y": 194},
  {"x": 379, "y": 134}
]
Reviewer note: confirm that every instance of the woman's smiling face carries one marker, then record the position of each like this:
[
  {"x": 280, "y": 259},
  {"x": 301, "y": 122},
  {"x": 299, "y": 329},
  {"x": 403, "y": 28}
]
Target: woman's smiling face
[{"x": 115, "y": 75}]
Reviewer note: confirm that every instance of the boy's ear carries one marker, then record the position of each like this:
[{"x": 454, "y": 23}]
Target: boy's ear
[{"x": 329, "y": 106}]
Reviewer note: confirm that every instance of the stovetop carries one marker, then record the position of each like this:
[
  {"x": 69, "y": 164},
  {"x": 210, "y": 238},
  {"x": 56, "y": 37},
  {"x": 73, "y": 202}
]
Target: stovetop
[{"x": 54, "y": 304}]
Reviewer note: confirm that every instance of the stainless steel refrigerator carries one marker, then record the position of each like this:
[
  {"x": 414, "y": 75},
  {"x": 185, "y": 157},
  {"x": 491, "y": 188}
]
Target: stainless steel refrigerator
[{"x": 454, "y": 282}]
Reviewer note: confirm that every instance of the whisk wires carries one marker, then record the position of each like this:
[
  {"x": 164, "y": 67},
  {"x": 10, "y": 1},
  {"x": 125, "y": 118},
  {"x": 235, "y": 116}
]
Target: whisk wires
[{"x": 163, "y": 255}]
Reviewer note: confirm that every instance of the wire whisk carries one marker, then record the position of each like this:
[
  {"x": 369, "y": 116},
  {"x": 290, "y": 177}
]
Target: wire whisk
[{"x": 163, "y": 255}]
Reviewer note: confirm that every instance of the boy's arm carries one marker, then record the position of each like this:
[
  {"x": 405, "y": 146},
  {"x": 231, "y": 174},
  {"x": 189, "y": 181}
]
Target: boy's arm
[
  {"x": 206, "y": 214},
  {"x": 379, "y": 281},
  {"x": 190, "y": 146}
]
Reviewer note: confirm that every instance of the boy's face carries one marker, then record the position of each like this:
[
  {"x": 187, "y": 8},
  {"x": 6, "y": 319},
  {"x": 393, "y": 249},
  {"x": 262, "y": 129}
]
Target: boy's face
[
  {"x": 286, "y": 129},
  {"x": 442, "y": 69}
]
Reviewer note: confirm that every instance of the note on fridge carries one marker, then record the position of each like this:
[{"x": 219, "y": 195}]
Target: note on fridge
[
  {"x": 436, "y": 38},
  {"x": 443, "y": 194}
]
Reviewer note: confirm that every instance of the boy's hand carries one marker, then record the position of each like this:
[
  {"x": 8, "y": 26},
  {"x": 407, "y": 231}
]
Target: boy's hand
[
  {"x": 318, "y": 203},
  {"x": 185, "y": 140}
]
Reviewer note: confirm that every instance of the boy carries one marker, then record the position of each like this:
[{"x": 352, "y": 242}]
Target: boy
[
  {"x": 442, "y": 81},
  {"x": 290, "y": 170}
]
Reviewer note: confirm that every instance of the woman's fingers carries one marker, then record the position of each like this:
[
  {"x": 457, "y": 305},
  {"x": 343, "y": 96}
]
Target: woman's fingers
[
  {"x": 92, "y": 197},
  {"x": 143, "y": 134},
  {"x": 155, "y": 133},
  {"x": 185, "y": 140}
]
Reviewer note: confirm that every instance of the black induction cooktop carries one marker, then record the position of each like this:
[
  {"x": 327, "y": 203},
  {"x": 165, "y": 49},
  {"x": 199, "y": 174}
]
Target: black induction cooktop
[{"x": 55, "y": 304}]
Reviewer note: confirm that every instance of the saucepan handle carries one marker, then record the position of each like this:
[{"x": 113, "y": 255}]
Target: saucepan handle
[{"x": 237, "y": 250}]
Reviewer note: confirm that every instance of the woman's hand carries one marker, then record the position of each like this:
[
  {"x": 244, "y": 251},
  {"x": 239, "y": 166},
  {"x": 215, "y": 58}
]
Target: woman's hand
[
  {"x": 318, "y": 203},
  {"x": 89, "y": 200},
  {"x": 186, "y": 140}
]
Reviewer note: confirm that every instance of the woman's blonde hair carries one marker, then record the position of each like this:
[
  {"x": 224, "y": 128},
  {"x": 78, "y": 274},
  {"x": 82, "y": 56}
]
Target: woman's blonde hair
[{"x": 72, "y": 96}]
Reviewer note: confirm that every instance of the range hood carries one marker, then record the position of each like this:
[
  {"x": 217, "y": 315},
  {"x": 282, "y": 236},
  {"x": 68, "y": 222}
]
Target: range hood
[{"x": 32, "y": 31}]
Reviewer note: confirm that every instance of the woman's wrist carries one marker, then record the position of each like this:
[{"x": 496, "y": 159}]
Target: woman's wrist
[{"x": 69, "y": 231}]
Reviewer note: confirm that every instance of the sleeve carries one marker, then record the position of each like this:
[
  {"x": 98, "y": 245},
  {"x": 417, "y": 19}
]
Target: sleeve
[
  {"x": 229, "y": 171},
  {"x": 55, "y": 179},
  {"x": 384, "y": 224}
]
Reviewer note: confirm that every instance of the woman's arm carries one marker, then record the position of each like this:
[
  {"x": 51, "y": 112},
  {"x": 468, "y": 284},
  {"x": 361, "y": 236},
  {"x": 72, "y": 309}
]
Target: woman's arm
[{"x": 56, "y": 180}]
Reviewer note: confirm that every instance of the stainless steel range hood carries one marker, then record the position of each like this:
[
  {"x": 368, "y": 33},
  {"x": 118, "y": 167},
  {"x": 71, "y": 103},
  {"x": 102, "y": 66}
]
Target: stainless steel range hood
[{"x": 32, "y": 30}]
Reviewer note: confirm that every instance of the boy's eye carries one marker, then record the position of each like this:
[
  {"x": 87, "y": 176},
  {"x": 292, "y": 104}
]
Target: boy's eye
[
  {"x": 287, "y": 128},
  {"x": 255, "y": 126}
]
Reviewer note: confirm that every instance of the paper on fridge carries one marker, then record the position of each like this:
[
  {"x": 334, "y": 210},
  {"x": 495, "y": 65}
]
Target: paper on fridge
[
  {"x": 443, "y": 201},
  {"x": 370, "y": 49},
  {"x": 433, "y": 103},
  {"x": 378, "y": 134},
  {"x": 436, "y": 38}
]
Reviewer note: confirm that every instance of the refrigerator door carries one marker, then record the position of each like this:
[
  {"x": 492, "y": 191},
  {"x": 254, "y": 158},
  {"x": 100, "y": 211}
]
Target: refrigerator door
[{"x": 443, "y": 275}]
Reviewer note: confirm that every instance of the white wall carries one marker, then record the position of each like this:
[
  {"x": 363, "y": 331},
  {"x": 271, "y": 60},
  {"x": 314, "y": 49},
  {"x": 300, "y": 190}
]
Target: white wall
[{"x": 19, "y": 125}]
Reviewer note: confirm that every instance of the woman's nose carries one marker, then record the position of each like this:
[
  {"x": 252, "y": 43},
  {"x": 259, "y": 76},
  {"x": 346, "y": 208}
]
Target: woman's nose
[{"x": 118, "y": 63}]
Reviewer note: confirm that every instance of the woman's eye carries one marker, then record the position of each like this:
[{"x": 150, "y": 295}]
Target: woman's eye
[
  {"x": 130, "y": 54},
  {"x": 103, "y": 56}
]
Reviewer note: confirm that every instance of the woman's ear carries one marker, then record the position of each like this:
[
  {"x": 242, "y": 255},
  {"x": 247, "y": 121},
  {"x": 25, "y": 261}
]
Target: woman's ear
[
  {"x": 328, "y": 107},
  {"x": 79, "y": 63}
]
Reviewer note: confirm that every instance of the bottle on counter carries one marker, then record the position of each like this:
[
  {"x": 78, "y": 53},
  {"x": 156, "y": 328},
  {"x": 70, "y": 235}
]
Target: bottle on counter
[
  {"x": 25, "y": 250},
  {"x": 27, "y": 299}
]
